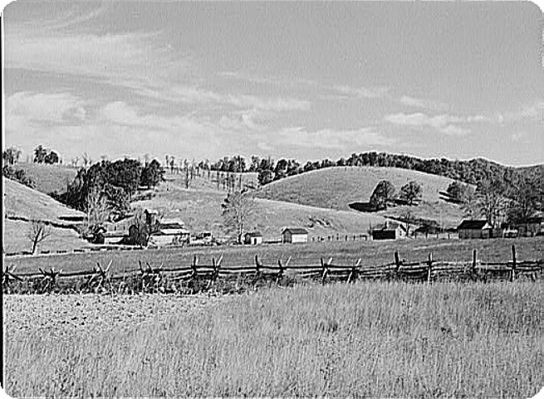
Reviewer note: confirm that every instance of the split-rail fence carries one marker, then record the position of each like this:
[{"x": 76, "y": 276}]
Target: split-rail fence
[{"x": 198, "y": 277}]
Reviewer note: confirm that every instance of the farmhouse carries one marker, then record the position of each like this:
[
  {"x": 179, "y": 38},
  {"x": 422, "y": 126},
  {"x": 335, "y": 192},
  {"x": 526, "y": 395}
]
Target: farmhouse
[
  {"x": 474, "y": 229},
  {"x": 294, "y": 235},
  {"x": 253, "y": 238},
  {"x": 388, "y": 231},
  {"x": 170, "y": 232}
]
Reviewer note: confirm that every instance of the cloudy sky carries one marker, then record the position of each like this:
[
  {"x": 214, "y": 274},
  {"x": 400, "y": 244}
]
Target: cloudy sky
[{"x": 302, "y": 80}]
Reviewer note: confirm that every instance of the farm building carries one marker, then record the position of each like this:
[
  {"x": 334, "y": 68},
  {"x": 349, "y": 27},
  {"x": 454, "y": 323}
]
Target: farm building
[
  {"x": 389, "y": 231},
  {"x": 474, "y": 229},
  {"x": 111, "y": 237},
  {"x": 294, "y": 235},
  {"x": 170, "y": 232},
  {"x": 253, "y": 238}
]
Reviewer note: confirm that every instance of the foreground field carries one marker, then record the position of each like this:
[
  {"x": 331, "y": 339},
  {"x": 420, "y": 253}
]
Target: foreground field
[
  {"x": 371, "y": 253},
  {"x": 377, "y": 340}
]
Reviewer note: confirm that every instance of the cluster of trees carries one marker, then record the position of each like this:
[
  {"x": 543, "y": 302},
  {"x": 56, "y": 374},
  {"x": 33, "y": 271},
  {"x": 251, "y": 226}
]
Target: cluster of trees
[
  {"x": 385, "y": 194},
  {"x": 11, "y": 155},
  {"x": 499, "y": 201},
  {"x": 107, "y": 187},
  {"x": 43, "y": 155},
  {"x": 18, "y": 175},
  {"x": 471, "y": 172}
]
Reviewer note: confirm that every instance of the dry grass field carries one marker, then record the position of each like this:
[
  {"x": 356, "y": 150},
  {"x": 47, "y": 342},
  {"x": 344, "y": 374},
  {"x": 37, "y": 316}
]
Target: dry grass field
[
  {"x": 371, "y": 253},
  {"x": 359, "y": 340}
]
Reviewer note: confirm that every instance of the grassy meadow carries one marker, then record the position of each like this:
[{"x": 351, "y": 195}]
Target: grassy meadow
[
  {"x": 371, "y": 253},
  {"x": 365, "y": 339}
]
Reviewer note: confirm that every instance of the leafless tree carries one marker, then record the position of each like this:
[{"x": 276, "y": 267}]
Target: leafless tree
[
  {"x": 37, "y": 233},
  {"x": 238, "y": 209},
  {"x": 97, "y": 209}
]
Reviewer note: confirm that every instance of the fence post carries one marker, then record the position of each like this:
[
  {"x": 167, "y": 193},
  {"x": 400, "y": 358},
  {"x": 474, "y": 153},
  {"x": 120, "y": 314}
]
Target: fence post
[
  {"x": 324, "y": 271},
  {"x": 193, "y": 267},
  {"x": 397, "y": 261},
  {"x": 257, "y": 264},
  {"x": 353, "y": 273},
  {"x": 513, "y": 272},
  {"x": 429, "y": 270},
  {"x": 474, "y": 260},
  {"x": 280, "y": 272}
]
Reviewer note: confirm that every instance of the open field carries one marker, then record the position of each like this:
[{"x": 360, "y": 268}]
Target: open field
[
  {"x": 364, "y": 339},
  {"x": 48, "y": 178},
  {"x": 61, "y": 239},
  {"x": 201, "y": 210},
  {"x": 337, "y": 187},
  {"x": 371, "y": 253}
]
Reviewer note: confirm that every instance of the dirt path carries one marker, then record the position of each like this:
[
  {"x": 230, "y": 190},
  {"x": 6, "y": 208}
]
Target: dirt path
[{"x": 64, "y": 315}]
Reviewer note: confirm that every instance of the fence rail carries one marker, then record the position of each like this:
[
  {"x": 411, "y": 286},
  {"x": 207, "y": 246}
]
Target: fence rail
[{"x": 198, "y": 277}]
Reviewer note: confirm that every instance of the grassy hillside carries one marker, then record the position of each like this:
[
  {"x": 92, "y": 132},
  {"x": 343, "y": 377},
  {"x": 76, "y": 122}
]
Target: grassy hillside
[
  {"x": 23, "y": 202},
  {"x": 337, "y": 187},
  {"x": 201, "y": 210},
  {"x": 48, "y": 178}
]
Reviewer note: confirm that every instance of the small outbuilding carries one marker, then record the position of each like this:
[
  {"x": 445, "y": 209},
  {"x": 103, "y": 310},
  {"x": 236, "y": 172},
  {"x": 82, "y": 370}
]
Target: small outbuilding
[
  {"x": 389, "y": 231},
  {"x": 294, "y": 235},
  {"x": 253, "y": 238},
  {"x": 474, "y": 229}
]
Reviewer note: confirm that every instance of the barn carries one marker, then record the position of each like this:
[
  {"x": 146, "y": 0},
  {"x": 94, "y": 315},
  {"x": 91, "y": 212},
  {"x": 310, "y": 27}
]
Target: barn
[
  {"x": 170, "y": 232},
  {"x": 474, "y": 229},
  {"x": 294, "y": 235},
  {"x": 253, "y": 238},
  {"x": 388, "y": 231}
]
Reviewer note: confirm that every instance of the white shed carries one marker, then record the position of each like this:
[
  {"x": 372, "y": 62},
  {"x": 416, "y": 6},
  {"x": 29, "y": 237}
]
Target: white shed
[{"x": 294, "y": 235}]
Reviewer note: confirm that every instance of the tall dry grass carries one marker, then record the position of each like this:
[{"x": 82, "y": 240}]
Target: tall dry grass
[{"x": 367, "y": 339}]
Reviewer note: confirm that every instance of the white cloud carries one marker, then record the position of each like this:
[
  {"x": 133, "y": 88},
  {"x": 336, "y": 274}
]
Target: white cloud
[
  {"x": 330, "y": 138},
  {"x": 442, "y": 123},
  {"x": 422, "y": 103},
  {"x": 362, "y": 92},
  {"x": 40, "y": 107}
]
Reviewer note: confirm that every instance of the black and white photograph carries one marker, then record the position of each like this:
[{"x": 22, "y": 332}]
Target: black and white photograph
[{"x": 337, "y": 199}]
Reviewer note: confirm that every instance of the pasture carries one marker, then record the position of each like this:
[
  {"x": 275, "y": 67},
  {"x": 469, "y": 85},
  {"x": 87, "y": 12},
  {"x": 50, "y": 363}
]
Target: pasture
[
  {"x": 371, "y": 253},
  {"x": 363, "y": 339}
]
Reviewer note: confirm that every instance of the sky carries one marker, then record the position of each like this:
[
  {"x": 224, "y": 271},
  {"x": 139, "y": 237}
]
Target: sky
[{"x": 304, "y": 80}]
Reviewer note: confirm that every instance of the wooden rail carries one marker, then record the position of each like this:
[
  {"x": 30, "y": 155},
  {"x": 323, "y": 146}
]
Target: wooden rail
[{"x": 198, "y": 277}]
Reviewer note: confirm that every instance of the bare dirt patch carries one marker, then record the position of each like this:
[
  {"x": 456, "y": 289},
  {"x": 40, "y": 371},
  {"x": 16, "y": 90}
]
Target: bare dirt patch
[{"x": 65, "y": 315}]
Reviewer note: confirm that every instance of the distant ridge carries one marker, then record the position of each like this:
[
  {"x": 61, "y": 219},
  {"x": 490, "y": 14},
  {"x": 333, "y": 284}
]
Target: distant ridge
[{"x": 472, "y": 171}]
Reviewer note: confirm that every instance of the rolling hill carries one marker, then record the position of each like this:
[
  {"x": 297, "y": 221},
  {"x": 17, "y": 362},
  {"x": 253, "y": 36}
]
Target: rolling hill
[
  {"x": 201, "y": 210},
  {"x": 338, "y": 187},
  {"x": 23, "y": 204},
  {"x": 48, "y": 178}
]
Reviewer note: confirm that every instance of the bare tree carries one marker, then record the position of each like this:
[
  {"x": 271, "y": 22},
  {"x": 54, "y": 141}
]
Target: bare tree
[
  {"x": 97, "y": 208},
  {"x": 37, "y": 233},
  {"x": 86, "y": 159},
  {"x": 238, "y": 209}
]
